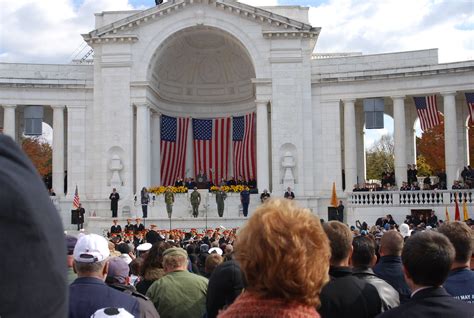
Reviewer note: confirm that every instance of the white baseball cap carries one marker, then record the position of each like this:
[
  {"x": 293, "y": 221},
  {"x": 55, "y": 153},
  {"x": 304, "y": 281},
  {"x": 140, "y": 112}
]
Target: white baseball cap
[
  {"x": 144, "y": 247},
  {"x": 216, "y": 250},
  {"x": 91, "y": 248}
]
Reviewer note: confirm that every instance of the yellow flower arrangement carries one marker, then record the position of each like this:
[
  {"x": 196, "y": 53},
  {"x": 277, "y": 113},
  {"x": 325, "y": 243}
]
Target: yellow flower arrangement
[
  {"x": 234, "y": 188},
  {"x": 157, "y": 190}
]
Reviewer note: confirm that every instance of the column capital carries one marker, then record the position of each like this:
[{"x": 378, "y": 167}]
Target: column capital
[
  {"x": 61, "y": 107},
  {"x": 10, "y": 106},
  {"x": 348, "y": 100},
  {"x": 262, "y": 101},
  {"x": 394, "y": 97},
  {"x": 448, "y": 93},
  {"x": 80, "y": 107},
  {"x": 142, "y": 105}
]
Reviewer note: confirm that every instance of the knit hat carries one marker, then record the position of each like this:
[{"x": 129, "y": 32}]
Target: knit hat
[{"x": 118, "y": 269}]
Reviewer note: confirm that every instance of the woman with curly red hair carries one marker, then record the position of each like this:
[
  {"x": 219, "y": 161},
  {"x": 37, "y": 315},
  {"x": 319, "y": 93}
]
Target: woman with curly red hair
[{"x": 284, "y": 254}]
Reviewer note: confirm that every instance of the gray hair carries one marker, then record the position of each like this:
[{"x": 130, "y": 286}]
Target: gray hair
[{"x": 89, "y": 268}]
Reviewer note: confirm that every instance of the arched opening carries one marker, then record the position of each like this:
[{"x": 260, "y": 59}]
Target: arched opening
[{"x": 201, "y": 73}]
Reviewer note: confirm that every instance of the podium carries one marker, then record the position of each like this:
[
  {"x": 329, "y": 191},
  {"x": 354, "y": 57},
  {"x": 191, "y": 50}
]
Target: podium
[
  {"x": 201, "y": 181},
  {"x": 75, "y": 217}
]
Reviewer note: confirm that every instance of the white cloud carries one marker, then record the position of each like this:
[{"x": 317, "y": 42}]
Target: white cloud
[{"x": 372, "y": 26}]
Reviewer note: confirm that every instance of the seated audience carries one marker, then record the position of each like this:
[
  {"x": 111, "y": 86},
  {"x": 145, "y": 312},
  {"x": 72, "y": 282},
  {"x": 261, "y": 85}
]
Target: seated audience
[
  {"x": 460, "y": 281},
  {"x": 346, "y": 295},
  {"x": 284, "y": 255},
  {"x": 427, "y": 258}
]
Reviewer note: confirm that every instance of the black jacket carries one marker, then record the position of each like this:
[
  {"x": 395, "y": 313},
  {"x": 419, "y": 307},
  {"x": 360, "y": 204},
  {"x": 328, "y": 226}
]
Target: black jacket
[
  {"x": 348, "y": 296},
  {"x": 389, "y": 268},
  {"x": 225, "y": 284},
  {"x": 33, "y": 271},
  {"x": 388, "y": 295},
  {"x": 433, "y": 302}
]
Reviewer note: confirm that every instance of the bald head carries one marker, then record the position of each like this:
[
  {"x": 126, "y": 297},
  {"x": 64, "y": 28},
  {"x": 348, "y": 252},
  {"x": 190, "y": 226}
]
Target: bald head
[{"x": 391, "y": 244}]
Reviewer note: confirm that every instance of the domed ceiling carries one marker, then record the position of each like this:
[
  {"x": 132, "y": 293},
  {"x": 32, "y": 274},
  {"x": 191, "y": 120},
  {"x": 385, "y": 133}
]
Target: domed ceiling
[{"x": 203, "y": 65}]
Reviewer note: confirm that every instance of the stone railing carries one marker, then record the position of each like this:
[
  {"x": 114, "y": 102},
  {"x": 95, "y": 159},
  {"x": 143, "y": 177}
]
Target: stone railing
[{"x": 409, "y": 198}]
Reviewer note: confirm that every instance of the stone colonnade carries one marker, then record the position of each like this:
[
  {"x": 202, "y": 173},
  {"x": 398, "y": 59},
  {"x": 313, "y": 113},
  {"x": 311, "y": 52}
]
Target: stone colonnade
[{"x": 400, "y": 140}]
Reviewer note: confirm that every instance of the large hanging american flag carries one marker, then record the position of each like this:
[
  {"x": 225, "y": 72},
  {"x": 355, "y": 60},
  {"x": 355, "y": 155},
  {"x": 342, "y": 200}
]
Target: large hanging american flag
[
  {"x": 174, "y": 133},
  {"x": 76, "y": 201},
  {"x": 243, "y": 137},
  {"x": 470, "y": 105},
  {"x": 427, "y": 110},
  {"x": 211, "y": 147}
]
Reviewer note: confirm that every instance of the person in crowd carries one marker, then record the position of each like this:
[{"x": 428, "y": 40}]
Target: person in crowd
[
  {"x": 202, "y": 255},
  {"x": 152, "y": 267},
  {"x": 432, "y": 219},
  {"x": 126, "y": 252},
  {"x": 179, "y": 293},
  {"x": 346, "y": 295},
  {"x": 245, "y": 201},
  {"x": 284, "y": 276},
  {"x": 88, "y": 292},
  {"x": 414, "y": 186},
  {"x": 340, "y": 212},
  {"x": 290, "y": 195},
  {"x": 220, "y": 198},
  {"x": 212, "y": 261},
  {"x": 152, "y": 236},
  {"x": 70, "y": 244},
  {"x": 363, "y": 259},
  {"x": 115, "y": 228},
  {"x": 389, "y": 267},
  {"x": 118, "y": 278},
  {"x": 179, "y": 182},
  {"x": 457, "y": 185},
  {"x": 195, "y": 199},
  {"x": 427, "y": 258},
  {"x": 169, "y": 201},
  {"x": 460, "y": 282},
  {"x": 225, "y": 285},
  {"x": 80, "y": 212},
  {"x": 129, "y": 227},
  {"x": 231, "y": 182},
  {"x": 144, "y": 200},
  {"x": 264, "y": 196},
  {"x": 114, "y": 197},
  {"x": 139, "y": 227}
]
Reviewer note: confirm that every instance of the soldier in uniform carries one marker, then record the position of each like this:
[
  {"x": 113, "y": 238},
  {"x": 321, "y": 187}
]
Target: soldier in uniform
[
  {"x": 139, "y": 227},
  {"x": 220, "y": 197},
  {"x": 245, "y": 200},
  {"x": 195, "y": 201},
  {"x": 169, "y": 200},
  {"x": 129, "y": 227},
  {"x": 116, "y": 228}
]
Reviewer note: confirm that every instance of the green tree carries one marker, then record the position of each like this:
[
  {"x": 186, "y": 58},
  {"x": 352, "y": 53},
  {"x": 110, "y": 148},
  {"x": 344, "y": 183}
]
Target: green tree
[
  {"x": 424, "y": 169},
  {"x": 380, "y": 157}
]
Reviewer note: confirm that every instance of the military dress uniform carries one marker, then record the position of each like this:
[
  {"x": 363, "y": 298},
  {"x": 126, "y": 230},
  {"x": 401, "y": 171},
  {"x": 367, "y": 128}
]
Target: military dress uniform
[{"x": 195, "y": 201}]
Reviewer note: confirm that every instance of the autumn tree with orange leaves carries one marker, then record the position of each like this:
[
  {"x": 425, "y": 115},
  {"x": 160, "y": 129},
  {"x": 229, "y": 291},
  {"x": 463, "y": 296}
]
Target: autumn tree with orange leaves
[{"x": 40, "y": 153}]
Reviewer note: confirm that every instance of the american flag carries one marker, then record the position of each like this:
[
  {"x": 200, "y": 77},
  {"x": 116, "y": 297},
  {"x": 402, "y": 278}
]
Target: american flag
[
  {"x": 243, "y": 138},
  {"x": 470, "y": 105},
  {"x": 174, "y": 133},
  {"x": 211, "y": 147},
  {"x": 427, "y": 111},
  {"x": 75, "y": 201}
]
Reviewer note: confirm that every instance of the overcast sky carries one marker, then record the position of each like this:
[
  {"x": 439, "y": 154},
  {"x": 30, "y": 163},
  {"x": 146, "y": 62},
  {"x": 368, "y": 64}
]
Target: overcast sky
[{"x": 48, "y": 31}]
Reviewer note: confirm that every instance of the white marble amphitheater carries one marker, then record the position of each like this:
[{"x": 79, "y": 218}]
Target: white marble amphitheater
[{"x": 220, "y": 58}]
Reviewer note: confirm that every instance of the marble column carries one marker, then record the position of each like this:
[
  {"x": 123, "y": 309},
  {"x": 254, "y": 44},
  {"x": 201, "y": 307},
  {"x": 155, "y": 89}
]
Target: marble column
[
  {"x": 450, "y": 137},
  {"x": 58, "y": 149},
  {"x": 156, "y": 149},
  {"x": 9, "y": 120},
  {"x": 350, "y": 149},
  {"x": 143, "y": 147},
  {"x": 263, "y": 166},
  {"x": 76, "y": 147},
  {"x": 399, "y": 139}
]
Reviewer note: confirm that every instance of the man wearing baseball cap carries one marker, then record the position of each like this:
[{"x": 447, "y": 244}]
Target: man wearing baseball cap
[{"x": 88, "y": 292}]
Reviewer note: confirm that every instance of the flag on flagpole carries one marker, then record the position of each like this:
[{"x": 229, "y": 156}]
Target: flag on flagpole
[
  {"x": 464, "y": 210},
  {"x": 470, "y": 106},
  {"x": 457, "y": 214},
  {"x": 243, "y": 137},
  {"x": 427, "y": 110},
  {"x": 334, "y": 202},
  {"x": 446, "y": 214},
  {"x": 174, "y": 136},
  {"x": 211, "y": 147},
  {"x": 76, "y": 201}
]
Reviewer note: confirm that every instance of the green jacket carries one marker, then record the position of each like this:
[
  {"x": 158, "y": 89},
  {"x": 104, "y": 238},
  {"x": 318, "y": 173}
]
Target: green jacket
[
  {"x": 169, "y": 197},
  {"x": 179, "y": 294},
  {"x": 220, "y": 197},
  {"x": 195, "y": 197}
]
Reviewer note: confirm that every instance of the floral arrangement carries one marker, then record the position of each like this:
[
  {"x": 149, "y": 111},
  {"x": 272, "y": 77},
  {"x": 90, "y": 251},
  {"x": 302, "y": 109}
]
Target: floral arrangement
[
  {"x": 234, "y": 188},
  {"x": 157, "y": 190}
]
